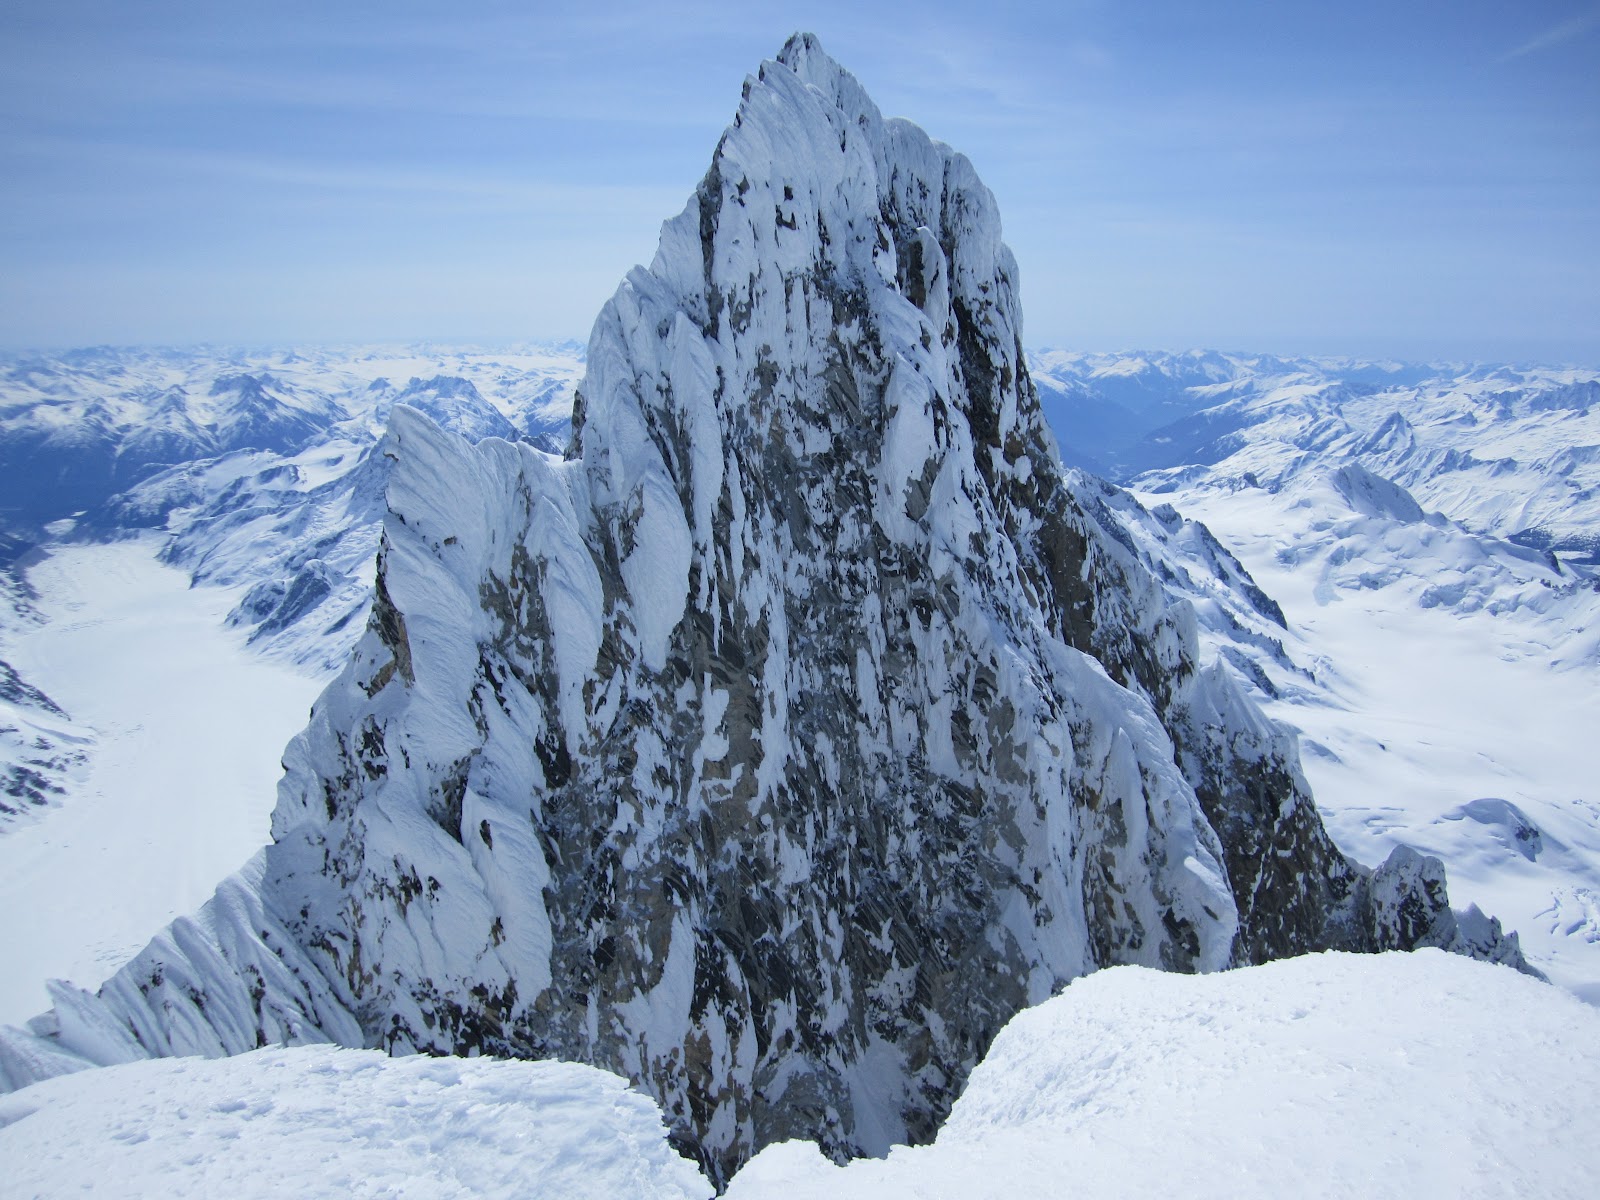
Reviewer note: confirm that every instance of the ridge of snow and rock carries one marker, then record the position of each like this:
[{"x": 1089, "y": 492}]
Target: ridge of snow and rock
[
  {"x": 1441, "y": 680},
  {"x": 793, "y": 733},
  {"x": 256, "y": 470},
  {"x": 1429, "y": 533}
]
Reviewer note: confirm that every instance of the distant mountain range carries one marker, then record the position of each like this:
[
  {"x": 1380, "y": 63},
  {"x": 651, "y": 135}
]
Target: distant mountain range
[{"x": 1506, "y": 450}]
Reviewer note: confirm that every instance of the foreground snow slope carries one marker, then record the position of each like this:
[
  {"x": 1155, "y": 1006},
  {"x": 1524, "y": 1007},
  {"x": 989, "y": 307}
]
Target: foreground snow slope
[
  {"x": 1403, "y": 1075},
  {"x": 316, "y": 1121},
  {"x": 187, "y": 728}
]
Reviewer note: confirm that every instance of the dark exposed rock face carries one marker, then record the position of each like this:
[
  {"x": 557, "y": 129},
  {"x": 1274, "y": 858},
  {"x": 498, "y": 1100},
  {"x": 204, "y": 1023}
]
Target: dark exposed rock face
[{"x": 800, "y": 728}]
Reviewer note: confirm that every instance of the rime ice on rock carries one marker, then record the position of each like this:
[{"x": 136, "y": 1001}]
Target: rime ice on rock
[{"x": 801, "y": 728}]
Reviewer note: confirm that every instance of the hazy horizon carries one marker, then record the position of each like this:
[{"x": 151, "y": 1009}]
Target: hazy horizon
[
  {"x": 520, "y": 343},
  {"x": 1418, "y": 183}
]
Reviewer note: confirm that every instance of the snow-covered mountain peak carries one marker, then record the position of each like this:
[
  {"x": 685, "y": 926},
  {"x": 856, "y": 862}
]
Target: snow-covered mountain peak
[
  {"x": 453, "y": 403},
  {"x": 1373, "y": 495},
  {"x": 803, "y": 54},
  {"x": 802, "y": 726},
  {"x": 1393, "y": 440}
]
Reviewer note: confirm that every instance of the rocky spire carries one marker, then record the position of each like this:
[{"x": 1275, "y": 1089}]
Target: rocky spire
[{"x": 771, "y": 688}]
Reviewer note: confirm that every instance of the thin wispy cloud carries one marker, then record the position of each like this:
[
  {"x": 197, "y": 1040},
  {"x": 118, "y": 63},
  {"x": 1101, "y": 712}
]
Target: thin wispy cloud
[
  {"x": 479, "y": 187},
  {"x": 1566, "y": 31},
  {"x": 1143, "y": 156}
]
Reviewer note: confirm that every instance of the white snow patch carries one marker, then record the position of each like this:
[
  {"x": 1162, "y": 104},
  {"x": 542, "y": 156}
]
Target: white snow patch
[{"x": 657, "y": 572}]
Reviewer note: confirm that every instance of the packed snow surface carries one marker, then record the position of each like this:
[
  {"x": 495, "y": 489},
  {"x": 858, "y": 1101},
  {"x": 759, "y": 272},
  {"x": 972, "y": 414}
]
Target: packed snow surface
[
  {"x": 1404, "y": 1075},
  {"x": 315, "y": 1121},
  {"x": 188, "y": 726}
]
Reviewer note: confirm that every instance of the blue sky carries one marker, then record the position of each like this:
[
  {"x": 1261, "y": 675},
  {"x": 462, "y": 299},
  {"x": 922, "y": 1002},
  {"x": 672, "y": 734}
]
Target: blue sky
[{"x": 1401, "y": 178}]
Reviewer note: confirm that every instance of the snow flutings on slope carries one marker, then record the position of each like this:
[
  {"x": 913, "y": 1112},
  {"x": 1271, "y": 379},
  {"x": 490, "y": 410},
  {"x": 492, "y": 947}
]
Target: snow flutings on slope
[
  {"x": 316, "y": 1121},
  {"x": 1403, "y": 1075}
]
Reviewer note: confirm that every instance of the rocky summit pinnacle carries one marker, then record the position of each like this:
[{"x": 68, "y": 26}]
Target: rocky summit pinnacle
[{"x": 793, "y": 733}]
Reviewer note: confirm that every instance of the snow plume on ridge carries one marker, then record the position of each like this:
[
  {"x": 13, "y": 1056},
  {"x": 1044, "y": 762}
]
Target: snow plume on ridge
[{"x": 789, "y": 737}]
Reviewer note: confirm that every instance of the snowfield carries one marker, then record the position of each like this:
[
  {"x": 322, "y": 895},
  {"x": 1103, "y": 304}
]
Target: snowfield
[{"x": 1404, "y": 1075}]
